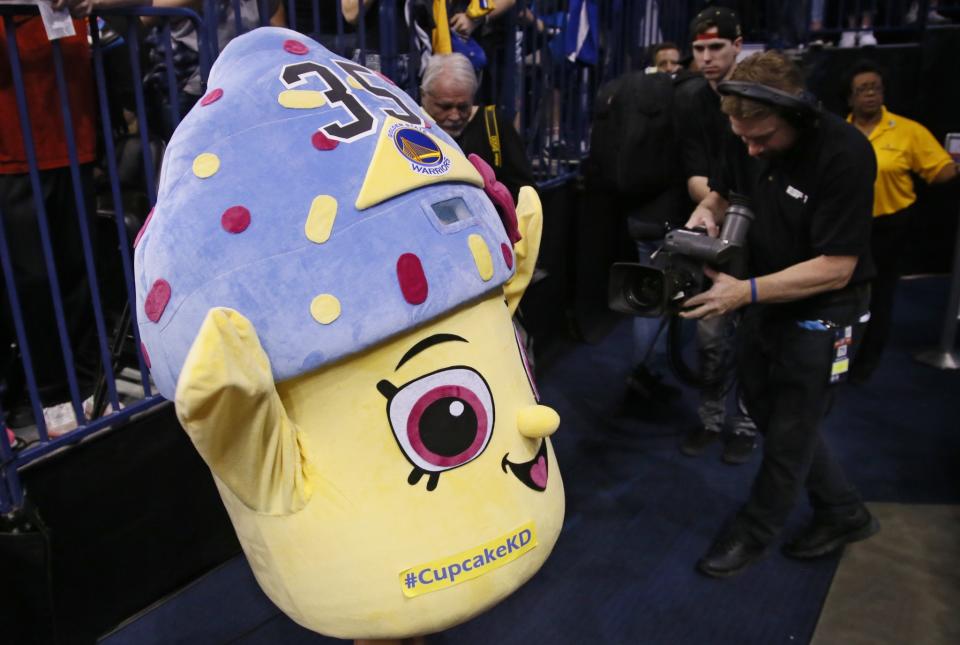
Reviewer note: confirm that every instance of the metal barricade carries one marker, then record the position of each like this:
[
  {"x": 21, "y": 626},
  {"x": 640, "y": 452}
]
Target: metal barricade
[
  {"x": 540, "y": 73},
  {"x": 117, "y": 346},
  {"x": 895, "y": 20},
  {"x": 557, "y": 100}
]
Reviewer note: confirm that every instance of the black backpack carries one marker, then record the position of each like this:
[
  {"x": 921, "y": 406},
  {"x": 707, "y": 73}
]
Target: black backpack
[{"x": 633, "y": 146}]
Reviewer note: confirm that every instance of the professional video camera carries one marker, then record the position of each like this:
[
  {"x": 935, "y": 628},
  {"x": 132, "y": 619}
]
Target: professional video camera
[{"x": 676, "y": 271}]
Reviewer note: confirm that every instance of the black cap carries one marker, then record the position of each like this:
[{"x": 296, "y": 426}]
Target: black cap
[{"x": 725, "y": 20}]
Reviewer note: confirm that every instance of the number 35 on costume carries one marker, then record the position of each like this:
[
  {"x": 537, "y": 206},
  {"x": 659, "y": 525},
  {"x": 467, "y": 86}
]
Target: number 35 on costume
[{"x": 325, "y": 289}]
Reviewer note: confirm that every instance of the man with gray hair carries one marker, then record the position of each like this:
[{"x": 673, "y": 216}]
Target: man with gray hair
[{"x": 447, "y": 95}]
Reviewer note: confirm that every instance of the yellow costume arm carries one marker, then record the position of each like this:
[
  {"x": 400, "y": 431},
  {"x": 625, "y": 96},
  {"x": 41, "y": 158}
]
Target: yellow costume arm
[
  {"x": 227, "y": 402},
  {"x": 530, "y": 222}
]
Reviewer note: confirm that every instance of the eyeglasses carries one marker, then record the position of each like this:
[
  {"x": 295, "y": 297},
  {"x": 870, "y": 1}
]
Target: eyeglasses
[{"x": 870, "y": 88}]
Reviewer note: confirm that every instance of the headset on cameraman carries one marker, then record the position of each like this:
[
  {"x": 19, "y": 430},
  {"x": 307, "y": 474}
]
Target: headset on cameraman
[{"x": 801, "y": 110}]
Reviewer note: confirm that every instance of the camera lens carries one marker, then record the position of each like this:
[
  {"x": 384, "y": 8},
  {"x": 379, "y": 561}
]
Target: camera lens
[{"x": 645, "y": 292}]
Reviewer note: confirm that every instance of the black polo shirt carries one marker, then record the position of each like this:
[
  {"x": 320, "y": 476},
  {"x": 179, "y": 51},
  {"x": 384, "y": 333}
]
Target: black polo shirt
[
  {"x": 700, "y": 127},
  {"x": 816, "y": 199}
]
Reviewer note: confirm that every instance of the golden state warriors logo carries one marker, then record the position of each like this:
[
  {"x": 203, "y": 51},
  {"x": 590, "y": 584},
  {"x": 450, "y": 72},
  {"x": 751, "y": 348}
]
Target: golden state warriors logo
[{"x": 421, "y": 150}]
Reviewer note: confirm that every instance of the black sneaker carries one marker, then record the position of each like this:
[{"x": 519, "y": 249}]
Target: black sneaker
[
  {"x": 737, "y": 448},
  {"x": 697, "y": 441},
  {"x": 729, "y": 555},
  {"x": 650, "y": 386},
  {"x": 828, "y": 534}
]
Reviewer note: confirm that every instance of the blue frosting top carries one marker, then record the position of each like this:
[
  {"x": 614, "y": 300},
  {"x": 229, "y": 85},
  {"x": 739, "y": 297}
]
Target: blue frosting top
[{"x": 314, "y": 197}]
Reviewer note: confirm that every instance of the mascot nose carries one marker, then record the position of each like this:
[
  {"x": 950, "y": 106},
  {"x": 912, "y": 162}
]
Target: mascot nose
[{"x": 536, "y": 421}]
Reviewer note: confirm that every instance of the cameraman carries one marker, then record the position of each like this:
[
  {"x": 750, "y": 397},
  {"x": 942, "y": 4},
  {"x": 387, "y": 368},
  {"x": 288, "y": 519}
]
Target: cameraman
[{"x": 809, "y": 177}]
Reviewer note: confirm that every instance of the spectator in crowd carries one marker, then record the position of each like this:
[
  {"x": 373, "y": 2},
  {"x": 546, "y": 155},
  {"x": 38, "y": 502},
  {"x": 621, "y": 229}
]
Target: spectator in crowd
[
  {"x": 903, "y": 147},
  {"x": 447, "y": 95},
  {"x": 860, "y": 14},
  {"x": 34, "y": 285},
  {"x": 716, "y": 40},
  {"x": 492, "y": 33},
  {"x": 324, "y": 23},
  {"x": 816, "y": 16},
  {"x": 645, "y": 225},
  {"x": 186, "y": 50},
  {"x": 934, "y": 17},
  {"x": 466, "y": 17},
  {"x": 384, "y": 50},
  {"x": 666, "y": 58},
  {"x": 809, "y": 178},
  {"x": 432, "y": 28}
]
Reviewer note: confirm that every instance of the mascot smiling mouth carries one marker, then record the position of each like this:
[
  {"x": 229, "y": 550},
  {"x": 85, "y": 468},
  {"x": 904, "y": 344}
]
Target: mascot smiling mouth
[{"x": 533, "y": 473}]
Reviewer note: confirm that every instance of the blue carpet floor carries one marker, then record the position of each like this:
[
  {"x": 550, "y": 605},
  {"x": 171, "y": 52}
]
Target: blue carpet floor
[{"x": 639, "y": 514}]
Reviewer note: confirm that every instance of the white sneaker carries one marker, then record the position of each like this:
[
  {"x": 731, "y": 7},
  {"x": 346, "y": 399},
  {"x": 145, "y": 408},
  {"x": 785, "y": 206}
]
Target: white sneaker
[
  {"x": 867, "y": 39},
  {"x": 60, "y": 419},
  {"x": 88, "y": 408},
  {"x": 848, "y": 39}
]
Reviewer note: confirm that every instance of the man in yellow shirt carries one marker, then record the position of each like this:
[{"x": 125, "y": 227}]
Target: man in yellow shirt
[{"x": 903, "y": 148}]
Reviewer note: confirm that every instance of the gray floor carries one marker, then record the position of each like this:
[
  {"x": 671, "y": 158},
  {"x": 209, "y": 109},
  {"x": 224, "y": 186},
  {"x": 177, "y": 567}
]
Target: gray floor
[{"x": 900, "y": 587}]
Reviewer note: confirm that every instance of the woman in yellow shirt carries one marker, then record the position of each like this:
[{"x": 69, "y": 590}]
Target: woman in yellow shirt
[{"x": 903, "y": 148}]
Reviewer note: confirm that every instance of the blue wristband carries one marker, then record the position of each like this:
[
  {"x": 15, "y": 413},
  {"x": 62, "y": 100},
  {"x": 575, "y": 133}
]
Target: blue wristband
[{"x": 753, "y": 290}]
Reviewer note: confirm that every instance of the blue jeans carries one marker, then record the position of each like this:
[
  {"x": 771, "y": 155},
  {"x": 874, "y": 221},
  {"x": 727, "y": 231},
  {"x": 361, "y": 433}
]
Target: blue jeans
[{"x": 716, "y": 339}]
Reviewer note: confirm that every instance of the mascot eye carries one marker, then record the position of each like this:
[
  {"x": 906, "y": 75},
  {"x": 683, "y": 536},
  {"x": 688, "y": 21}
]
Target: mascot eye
[{"x": 442, "y": 420}]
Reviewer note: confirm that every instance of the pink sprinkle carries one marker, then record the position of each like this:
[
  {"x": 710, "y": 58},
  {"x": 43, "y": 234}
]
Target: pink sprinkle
[
  {"x": 507, "y": 254},
  {"x": 157, "y": 300},
  {"x": 212, "y": 97},
  {"x": 413, "y": 283},
  {"x": 386, "y": 78},
  {"x": 426, "y": 124},
  {"x": 500, "y": 196},
  {"x": 295, "y": 47},
  {"x": 235, "y": 219},
  {"x": 143, "y": 228},
  {"x": 146, "y": 356},
  {"x": 323, "y": 142}
]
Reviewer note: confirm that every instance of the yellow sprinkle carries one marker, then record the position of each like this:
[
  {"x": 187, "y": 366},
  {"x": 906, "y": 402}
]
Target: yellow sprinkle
[
  {"x": 481, "y": 256},
  {"x": 323, "y": 211},
  {"x": 354, "y": 83},
  {"x": 301, "y": 99},
  {"x": 206, "y": 165},
  {"x": 325, "y": 309},
  {"x": 535, "y": 421}
]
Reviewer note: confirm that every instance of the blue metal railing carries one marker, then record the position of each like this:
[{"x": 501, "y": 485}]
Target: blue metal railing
[
  {"x": 42, "y": 223},
  {"x": 529, "y": 76},
  {"x": 11, "y": 492},
  {"x": 887, "y": 17}
]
